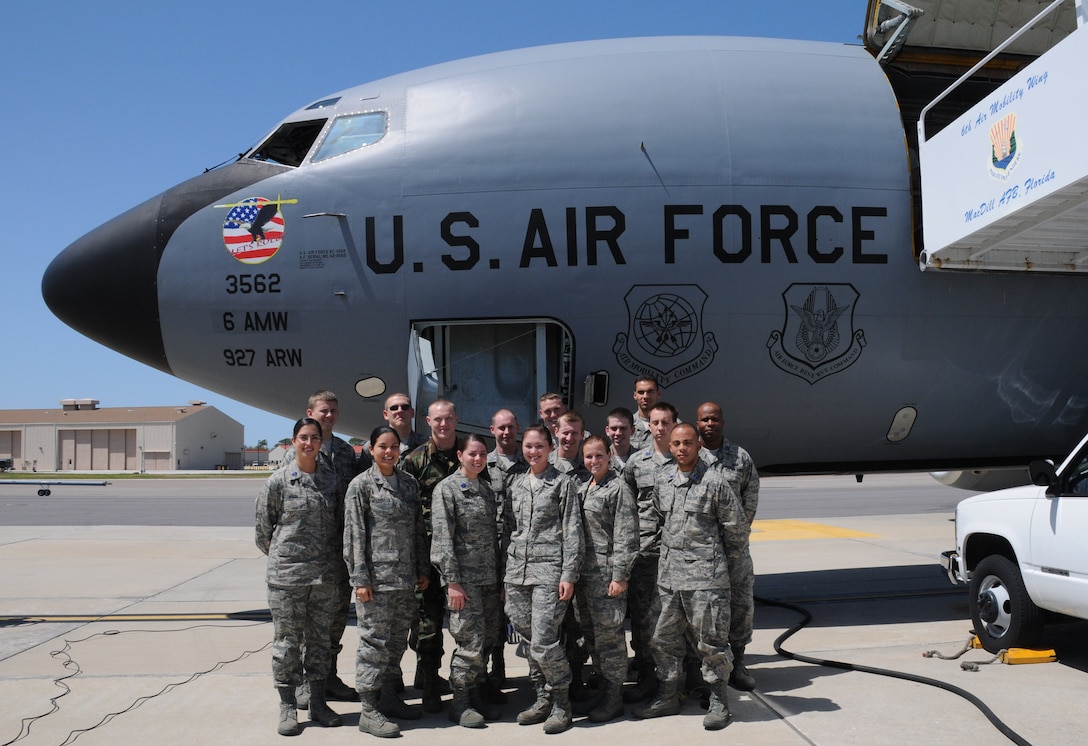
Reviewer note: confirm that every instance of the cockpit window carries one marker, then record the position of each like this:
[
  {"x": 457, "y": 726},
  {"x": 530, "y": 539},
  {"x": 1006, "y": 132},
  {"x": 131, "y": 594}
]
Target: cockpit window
[
  {"x": 352, "y": 132},
  {"x": 323, "y": 103},
  {"x": 290, "y": 143}
]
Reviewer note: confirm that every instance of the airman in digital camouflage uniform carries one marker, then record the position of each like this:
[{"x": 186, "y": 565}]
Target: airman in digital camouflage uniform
[
  {"x": 465, "y": 548},
  {"x": 398, "y": 414},
  {"x": 502, "y": 462},
  {"x": 642, "y": 595},
  {"x": 610, "y": 523},
  {"x": 337, "y": 453},
  {"x": 702, "y": 521},
  {"x": 647, "y": 394},
  {"x": 619, "y": 427},
  {"x": 383, "y": 548},
  {"x": 299, "y": 519},
  {"x": 430, "y": 464},
  {"x": 741, "y": 473},
  {"x": 543, "y": 560},
  {"x": 570, "y": 429}
]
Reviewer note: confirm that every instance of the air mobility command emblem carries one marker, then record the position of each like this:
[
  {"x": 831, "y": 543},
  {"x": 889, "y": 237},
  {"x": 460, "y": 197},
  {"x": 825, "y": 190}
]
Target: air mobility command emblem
[
  {"x": 665, "y": 336},
  {"x": 818, "y": 339}
]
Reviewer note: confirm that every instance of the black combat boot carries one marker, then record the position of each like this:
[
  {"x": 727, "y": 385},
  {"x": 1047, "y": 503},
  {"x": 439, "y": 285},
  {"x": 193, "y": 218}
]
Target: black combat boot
[
  {"x": 646, "y": 686},
  {"x": 320, "y": 712},
  {"x": 392, "y": 706},
  {"x": 336, "y": 690},
  {"x": 610, "y": 705},
  {"x": 432, "y": 694},
  {"x": 667, "y": 702},
  {"x": 739, "y": 678}
]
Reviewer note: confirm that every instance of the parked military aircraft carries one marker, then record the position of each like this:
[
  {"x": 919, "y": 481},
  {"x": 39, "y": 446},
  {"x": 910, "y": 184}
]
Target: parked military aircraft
[{"x": 738, "y": 217}]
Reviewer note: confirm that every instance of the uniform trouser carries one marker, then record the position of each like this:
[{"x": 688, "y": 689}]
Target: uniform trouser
[
  {"x": 301, "y": 618},
  {"x": 576, "y": 633},
  {"x": 474, "y": 629},
  {"x": 604, "y": 616},
  {"x": 340, "y": 620},
  {"x": 536, "y": 613},
  {"x": 742, "y": 583},
  {"x": 643, "y": 605},
  {"x": 704, "y": 616},
  {"x": 427, "y": 630},
  {"x": 383, "y": 624}
]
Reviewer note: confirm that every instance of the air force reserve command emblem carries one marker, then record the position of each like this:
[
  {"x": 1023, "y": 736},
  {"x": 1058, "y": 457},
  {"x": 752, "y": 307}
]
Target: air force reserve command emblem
[
  {"x": 818, "y": 339},
  {"x": 665, "y": 335}
]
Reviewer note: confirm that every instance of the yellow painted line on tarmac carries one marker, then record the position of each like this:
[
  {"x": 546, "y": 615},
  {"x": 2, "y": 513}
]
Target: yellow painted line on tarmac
[
  {"x": 786, "y": 529},
  {"x": 83, "y": 618}
]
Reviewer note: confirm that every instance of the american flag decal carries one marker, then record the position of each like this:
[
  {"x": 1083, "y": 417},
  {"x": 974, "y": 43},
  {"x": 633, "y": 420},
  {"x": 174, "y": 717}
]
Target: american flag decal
[{"x": 253, "y": 229}]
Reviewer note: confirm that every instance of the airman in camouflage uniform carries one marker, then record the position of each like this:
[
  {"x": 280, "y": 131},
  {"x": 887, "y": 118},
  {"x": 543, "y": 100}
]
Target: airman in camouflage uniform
[
  {"x": 610, "y": 523},
  {"x": 398, "y": 414},
  {"x": 642, "y": 595},
  {"x": 543, "y": 560},
  {"x": 384, "y": 550},
  {"x": 702, "y": 521},
  {"x": 465, "y": 549},
  {"x": 430, "y": 464},
  {"x": 299, "y": 519},
  {"x": 619, "y": 427},
  {"x": 740, "y": 472},
  {"x": 338, "y": 454},
  {"x": 646, "y": 395},
  {"x": 502, "y": 462}
]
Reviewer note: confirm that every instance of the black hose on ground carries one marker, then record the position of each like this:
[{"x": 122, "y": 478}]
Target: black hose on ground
[{"x": 807, "y": 617}]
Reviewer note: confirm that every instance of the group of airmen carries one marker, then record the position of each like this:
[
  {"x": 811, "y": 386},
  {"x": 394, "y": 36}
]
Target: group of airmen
[{"x": 554, "y": 534}]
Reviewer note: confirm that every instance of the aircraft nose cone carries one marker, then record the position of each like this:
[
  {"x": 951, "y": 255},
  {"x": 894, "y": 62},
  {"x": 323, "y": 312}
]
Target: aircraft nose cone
[{"x": 104, "y": 285}]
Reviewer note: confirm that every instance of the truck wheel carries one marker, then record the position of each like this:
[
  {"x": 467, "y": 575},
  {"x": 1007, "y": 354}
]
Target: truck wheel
[{"x": 1001, "y": 610}]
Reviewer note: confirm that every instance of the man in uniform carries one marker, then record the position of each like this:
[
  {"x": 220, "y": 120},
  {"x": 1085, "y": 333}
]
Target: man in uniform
[
  {"x": 551, "y": 406},
  {"x": 647, "y": 395},
  {"x": 398, "y": 414},
  {"x": 619, "y": 427},
  {"x": 567, "y": 457},
  {"x": 702, "y": 522},
  {"x": 505, "y": 458},
  {"x": 430, "y": 463},
  {"x": 740, "y": 472},
  {"x": 642, "y": 596},
  {"x": 324, "y": 407}
]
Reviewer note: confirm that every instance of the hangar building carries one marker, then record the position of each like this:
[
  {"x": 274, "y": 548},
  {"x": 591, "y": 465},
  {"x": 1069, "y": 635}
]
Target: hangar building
[{"x": 81, "y": 436}]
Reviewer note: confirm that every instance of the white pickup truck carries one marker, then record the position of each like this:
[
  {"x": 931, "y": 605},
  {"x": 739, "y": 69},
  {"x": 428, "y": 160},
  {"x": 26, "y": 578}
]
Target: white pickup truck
[{"x": 1024, "y": 553}]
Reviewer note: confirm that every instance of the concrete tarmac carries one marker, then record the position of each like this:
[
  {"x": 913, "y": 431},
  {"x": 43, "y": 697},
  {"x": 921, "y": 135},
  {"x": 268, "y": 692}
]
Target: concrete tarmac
[{"x": 159, "y": 634}]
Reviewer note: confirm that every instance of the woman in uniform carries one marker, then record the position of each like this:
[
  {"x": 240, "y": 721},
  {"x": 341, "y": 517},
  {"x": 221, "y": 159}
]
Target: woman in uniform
[
  {"x": 299, "y": 522},
  {"x": 610, "y": 522},
  {"x": 384, "y": 552},
  {"x": 542, "y": 565},
  {"x": 465, "y": 549}
]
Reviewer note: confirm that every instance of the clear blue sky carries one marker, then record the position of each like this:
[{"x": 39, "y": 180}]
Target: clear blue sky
[{"x": 106, "y": 104}]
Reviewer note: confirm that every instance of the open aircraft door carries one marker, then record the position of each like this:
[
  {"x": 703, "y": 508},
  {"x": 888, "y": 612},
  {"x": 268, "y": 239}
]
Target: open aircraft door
[{"x": 491, "y": 364}]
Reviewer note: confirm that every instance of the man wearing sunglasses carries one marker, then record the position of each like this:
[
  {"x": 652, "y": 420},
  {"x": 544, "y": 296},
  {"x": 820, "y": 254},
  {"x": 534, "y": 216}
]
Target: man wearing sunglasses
[{"x": 398, "y": 414}]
